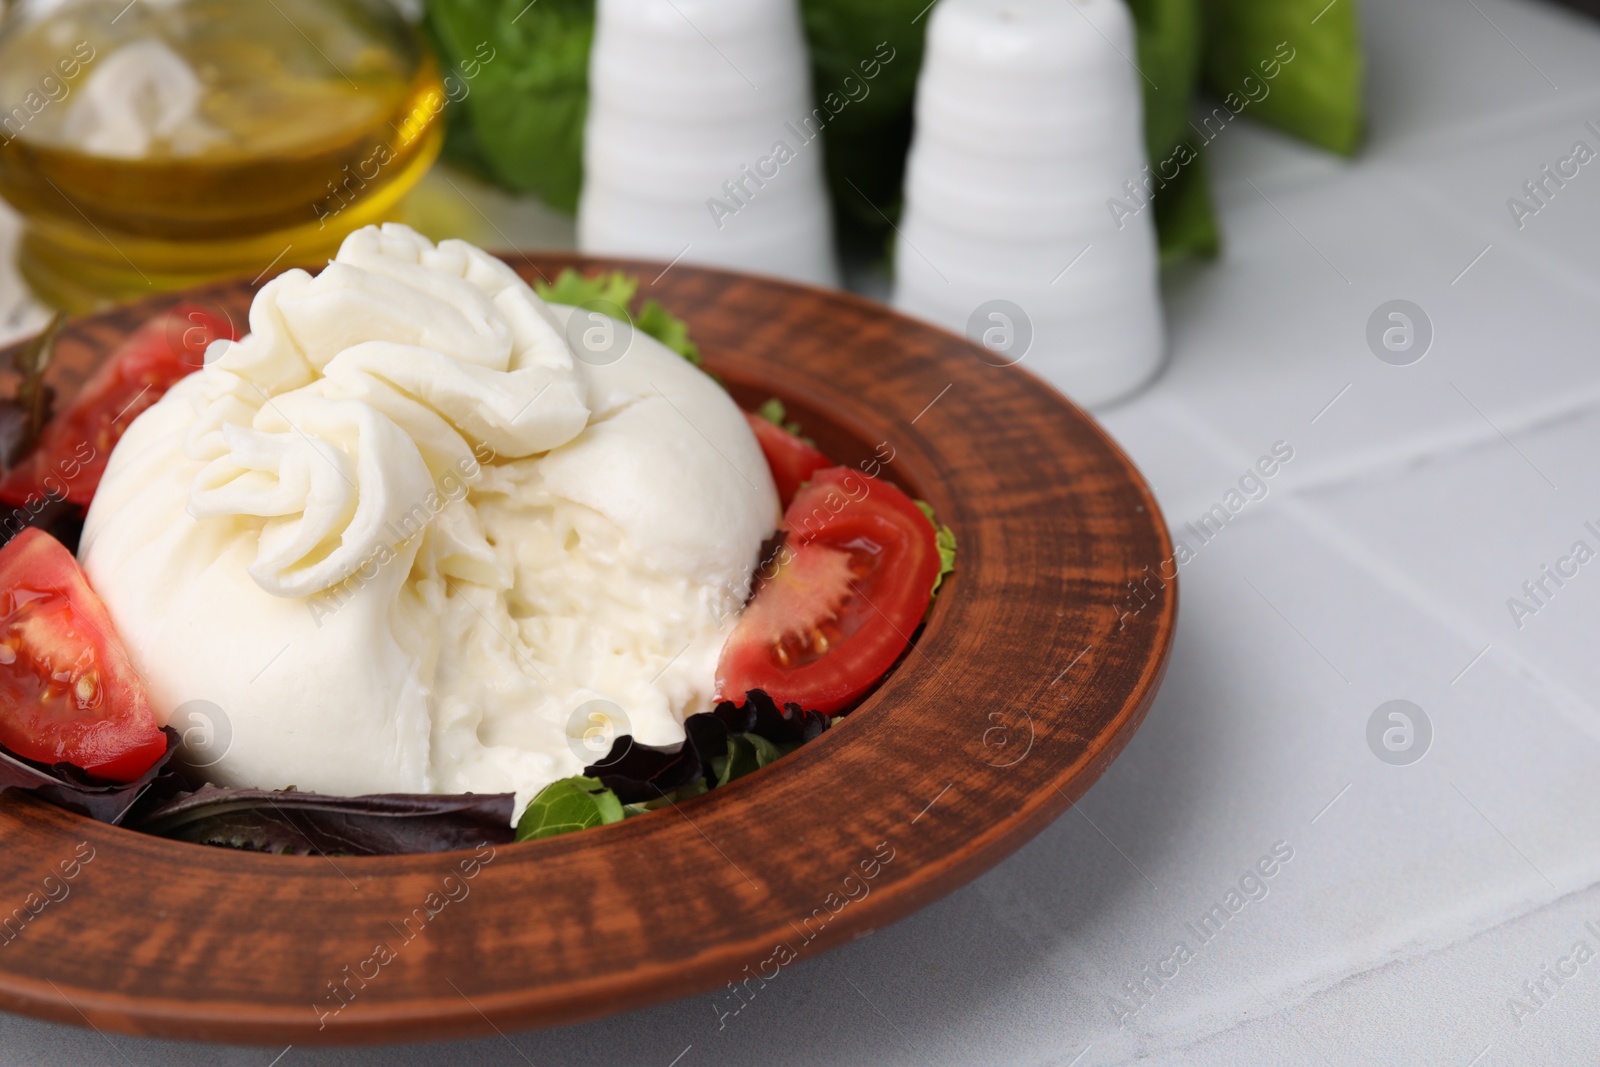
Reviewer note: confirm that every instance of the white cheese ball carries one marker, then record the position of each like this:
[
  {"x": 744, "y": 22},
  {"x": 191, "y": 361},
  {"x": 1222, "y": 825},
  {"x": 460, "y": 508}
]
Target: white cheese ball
[{"x": 400, "y": 539}]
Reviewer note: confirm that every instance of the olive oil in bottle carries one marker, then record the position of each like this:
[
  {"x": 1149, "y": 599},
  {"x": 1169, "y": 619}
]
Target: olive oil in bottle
[{"x": 154, "y": 145}]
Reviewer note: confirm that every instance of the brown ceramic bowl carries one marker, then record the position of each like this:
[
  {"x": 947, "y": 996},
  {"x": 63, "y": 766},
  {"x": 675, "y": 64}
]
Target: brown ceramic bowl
[{"x": 1029, "y": 678}]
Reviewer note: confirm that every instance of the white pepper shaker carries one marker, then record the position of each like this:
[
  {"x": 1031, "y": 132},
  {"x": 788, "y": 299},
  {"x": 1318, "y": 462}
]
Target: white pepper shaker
[
  {"x": 1029, "y": 122},
  {"x": 696, "y": 147}
]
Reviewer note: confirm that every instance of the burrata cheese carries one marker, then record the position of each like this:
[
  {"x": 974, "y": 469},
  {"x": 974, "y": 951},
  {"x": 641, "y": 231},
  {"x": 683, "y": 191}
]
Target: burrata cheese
[{"x": 401, "y": 539}]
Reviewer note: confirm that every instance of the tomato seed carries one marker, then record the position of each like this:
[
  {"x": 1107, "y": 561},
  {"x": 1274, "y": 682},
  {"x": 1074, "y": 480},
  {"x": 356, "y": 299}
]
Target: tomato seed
[{"x": 87, "y": 689}]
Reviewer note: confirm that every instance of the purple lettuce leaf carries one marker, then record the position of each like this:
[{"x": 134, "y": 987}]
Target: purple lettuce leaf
[
  {"x": 304, "y": 824},
  {"x": 76, "y": 790},
  {"x": 639, "y": 773}
]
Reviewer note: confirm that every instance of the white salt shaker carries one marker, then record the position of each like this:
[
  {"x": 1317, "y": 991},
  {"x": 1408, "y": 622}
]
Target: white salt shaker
[
  {"x": 697, "y": 146},
  {"x": 1029, "y": 122}
]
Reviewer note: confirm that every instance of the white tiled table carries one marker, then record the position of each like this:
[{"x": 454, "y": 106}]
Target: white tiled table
[{"x": 1420, "y": 898}]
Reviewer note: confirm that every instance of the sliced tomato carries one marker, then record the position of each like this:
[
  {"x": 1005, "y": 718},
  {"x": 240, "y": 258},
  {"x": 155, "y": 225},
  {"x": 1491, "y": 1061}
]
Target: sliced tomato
[
  {"x": 73, "y": 449},
  {"x": 68, "y": 693},
  {"x": 843, "y": 596},
  {"x": 791, "y": 460}
]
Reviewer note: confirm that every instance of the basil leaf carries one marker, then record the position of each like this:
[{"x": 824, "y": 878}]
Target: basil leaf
[{"x": 567, "y": 806}]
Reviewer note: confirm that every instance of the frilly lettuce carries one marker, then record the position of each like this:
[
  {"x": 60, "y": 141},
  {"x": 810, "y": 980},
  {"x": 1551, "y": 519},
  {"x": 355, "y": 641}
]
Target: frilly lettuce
[{"x": 619, "y": 289}]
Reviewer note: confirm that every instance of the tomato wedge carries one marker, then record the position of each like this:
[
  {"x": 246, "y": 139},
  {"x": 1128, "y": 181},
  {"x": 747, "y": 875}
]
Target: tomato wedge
[
  {"x": 847, "y": 589},
  {"x": 68, "y": 693},
  {"x": 73, "y": 449},
  {"x": 790, "y": 459}
]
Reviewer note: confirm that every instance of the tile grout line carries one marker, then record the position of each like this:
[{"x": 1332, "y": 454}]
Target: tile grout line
[
  {"x": 1467, "y": 436},
  {"x": 1546, "y": 114},
  {"x": 1325, "y": 528},
  {"x": 1333, "y": 535},
  {"x": 1417, "y": 942},
  {"x": 1576, "y": 277}
]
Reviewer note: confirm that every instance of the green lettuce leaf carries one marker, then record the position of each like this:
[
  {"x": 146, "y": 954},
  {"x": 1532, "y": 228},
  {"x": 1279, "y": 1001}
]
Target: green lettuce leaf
[
  {"x": 1170, "y": 48},
  {"x": 869, "y": 136},
  {"x": 461, "y": 147},
  {"x": 573, "y": 288},
  {"x": 670, "y": 330},
  {"x": 720, "y": 746},
  {"x": 617, "y": 288},
  {"x": 1315, "y": 48},
  {"x": 1185, "y": 223},
  {"x": 527, "y": 104},
  {"x": 850, "y": 39},
  {"x": 1169, "y": 60},
  {"x": 945, "y": 539},
  {"x": 567, "y": 806},
  {"x": 774, "y": 412}
]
